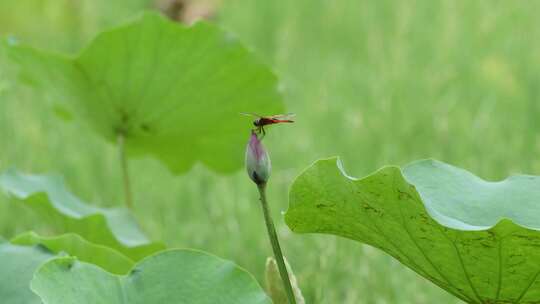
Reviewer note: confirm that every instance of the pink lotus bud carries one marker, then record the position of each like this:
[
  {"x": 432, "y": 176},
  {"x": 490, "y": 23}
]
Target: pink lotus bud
[{"x": 258, "y": 164}]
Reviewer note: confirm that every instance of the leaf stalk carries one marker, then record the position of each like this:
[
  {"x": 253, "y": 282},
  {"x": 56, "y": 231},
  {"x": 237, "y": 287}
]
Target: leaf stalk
[{"x": 125, "y": 170}]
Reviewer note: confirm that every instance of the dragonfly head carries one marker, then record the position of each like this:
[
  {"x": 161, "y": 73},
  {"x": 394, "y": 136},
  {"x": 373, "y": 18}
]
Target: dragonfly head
[{"x": 257, "y": 122}]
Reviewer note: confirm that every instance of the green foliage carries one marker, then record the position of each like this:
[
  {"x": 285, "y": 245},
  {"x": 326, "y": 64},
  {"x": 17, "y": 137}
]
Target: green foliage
[
  {"x": 174, "y": 92},
  {"x": 49, "y": 197},
  {"x": 375, "y": 81},
  {"x": 74, "y": 245},
  {"x": 174, "y": 101},
  {"x": 175, "y": 276},
  {"x": 462, "y": 233},
  {"x": 17, "y": 266}
]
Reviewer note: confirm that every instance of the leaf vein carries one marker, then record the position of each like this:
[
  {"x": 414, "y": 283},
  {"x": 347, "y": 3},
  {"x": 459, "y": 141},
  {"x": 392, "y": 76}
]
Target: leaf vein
[
  {"x": 403, "y": 223},
  {"x": 524, "y": 292},
  {"x": 465, "y": 272},
  {"x": 499, "y": 282}
]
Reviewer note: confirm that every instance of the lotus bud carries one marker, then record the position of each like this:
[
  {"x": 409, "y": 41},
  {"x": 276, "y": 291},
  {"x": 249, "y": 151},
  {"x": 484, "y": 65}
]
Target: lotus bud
[
  {"x": 274, "y": 285},
  {"x": 258, "y": 164}
]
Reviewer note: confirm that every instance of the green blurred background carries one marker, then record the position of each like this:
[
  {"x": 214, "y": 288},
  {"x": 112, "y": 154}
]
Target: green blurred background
[{"x": 375, "y": 82}]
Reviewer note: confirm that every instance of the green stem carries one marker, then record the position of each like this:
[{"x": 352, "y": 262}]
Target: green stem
[
  {"x": 125, "y": 171},
  {"x": 275, "y": 244}
]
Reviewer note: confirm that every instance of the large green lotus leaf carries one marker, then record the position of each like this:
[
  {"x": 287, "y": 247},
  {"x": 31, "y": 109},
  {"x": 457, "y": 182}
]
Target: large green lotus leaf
[
  {"x": 478, "y": 240},
  {"x": 174, "y": 276},
  {"x": 17, "y": 266},
  {"x": 175, "y": 92},
  {"x": 74, "y": 245},
  {"x": 48, "y": 196}
]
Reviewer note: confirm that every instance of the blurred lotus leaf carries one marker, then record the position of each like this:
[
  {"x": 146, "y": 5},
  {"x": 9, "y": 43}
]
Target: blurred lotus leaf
[
  {"x": 173, "y": 276},
  {"x": 74, "y": 245},
  {"x": 48, "y": 196},
  {"x": 18, "y": 264},
  {"x": 173, "y": 92}
]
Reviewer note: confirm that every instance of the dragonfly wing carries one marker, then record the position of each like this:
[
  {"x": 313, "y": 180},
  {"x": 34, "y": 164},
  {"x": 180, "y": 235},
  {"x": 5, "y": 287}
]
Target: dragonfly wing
[
  {"x": 287, "y": 116},
  {"x": 250, "y": 114}
]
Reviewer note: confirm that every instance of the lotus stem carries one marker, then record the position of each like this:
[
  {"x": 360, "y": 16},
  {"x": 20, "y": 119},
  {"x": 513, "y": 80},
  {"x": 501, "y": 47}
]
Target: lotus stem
[{"x": 275, "y": 244}]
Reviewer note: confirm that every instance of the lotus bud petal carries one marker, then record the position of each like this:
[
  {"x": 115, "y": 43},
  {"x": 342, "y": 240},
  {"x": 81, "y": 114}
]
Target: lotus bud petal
[{"x": 258, "y": 164}]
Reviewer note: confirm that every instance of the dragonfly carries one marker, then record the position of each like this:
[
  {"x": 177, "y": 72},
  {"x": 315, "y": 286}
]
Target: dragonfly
[{"x": 261, "y": 121}]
